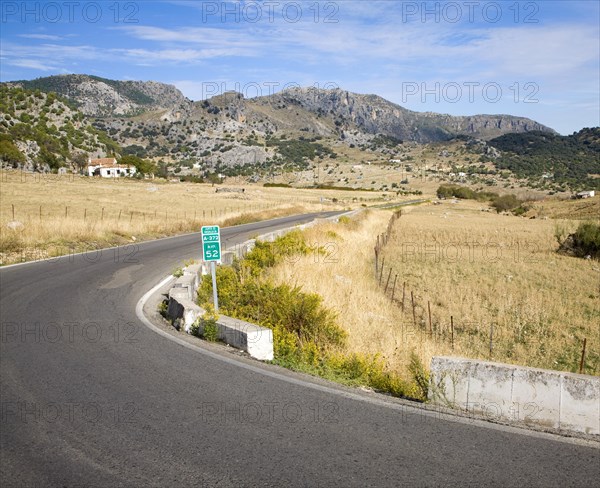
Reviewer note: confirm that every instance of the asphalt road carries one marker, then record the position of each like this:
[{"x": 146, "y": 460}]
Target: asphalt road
[{"x": 90, "y": 396}]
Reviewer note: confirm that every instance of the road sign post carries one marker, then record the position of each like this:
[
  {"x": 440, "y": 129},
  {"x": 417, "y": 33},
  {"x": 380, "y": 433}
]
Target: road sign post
[{"x": 211, "y": 252}]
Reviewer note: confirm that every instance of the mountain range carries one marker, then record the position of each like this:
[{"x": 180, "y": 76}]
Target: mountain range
[{"x": 288, "y": 129}]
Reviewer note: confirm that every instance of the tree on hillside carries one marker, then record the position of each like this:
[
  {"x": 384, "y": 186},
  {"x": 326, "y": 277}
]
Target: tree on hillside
[
  {"x": 9, "y": 152},
  {"x": 80, "y": 161},
  {"x": 141, "y": 165}
]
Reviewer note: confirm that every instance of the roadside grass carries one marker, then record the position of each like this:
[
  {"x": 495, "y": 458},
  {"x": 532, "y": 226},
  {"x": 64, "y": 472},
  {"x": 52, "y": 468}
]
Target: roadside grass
[
  {"x": 493, "y": 274},
  {"x": 308, "y": 334}
]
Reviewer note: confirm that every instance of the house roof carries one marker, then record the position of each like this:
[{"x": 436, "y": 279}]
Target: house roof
[
  {"x": 108, "y": 163},
  {"x": 103, "y": 162}
]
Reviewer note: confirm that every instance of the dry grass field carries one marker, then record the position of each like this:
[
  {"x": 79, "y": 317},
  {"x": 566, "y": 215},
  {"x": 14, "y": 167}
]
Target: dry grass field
[
  {"x": 494, "y": 284},
  {"x": 48, "y": 215}
]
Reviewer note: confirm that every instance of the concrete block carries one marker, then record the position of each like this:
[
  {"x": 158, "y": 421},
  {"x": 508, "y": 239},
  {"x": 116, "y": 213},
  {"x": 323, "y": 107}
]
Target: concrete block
[
  {"x": 181, "y": 307},
  {"x": 449, "y": 382},
  {"x": 194, "y": 270},
  {"x": 227, "y": 258},
  {"x": 187, "y": 282},
  {"x": 247, "y": 246},
  {"x": 490, "y": 386},
  {"x": 536, "y": 396},
  {"x": 580, "y": 403},
  {"x": 255, "y": 340},
  {"x": 191, "y": 313}
]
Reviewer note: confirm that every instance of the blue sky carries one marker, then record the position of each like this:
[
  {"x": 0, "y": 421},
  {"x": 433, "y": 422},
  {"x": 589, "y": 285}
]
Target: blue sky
[{"x": 535, "y": 59}]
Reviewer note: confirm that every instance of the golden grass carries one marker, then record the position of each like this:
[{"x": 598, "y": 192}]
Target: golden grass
[
  {"x": 60, "y": 214},
  {"x": 584, "y": 209},
  {"x": 483, "y": 269}
]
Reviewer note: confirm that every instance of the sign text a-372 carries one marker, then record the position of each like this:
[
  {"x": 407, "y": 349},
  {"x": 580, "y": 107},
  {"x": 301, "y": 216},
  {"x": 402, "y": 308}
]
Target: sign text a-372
[{"x": 211, "y": 243}]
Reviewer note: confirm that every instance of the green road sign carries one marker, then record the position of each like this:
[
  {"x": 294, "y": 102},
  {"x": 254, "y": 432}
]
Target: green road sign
[{"x": 211, "y": 243}]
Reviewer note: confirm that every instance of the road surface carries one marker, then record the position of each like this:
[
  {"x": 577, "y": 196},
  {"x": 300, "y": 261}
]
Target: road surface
[{"x": 90, "y": 396}]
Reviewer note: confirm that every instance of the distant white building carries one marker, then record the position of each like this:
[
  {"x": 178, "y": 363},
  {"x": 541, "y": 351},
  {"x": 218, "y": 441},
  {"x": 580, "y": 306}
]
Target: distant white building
[
  {"x": 586, "y": 194},
  {"x": 109, "y": 168}
]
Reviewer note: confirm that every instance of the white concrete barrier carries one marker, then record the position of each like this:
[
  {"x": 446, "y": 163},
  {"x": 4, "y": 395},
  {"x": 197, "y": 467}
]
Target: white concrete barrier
[
  {"x": 548, "y": 399},
  {"x": 187, "y": 282},
  {"x": 184, "y": 312},
  {"x": 182, "y": 309}
]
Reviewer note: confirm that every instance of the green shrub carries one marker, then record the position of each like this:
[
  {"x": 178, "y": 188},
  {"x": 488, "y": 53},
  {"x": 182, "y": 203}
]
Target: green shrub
[
  {"x": 268, "y": 254},
  {"x": 210, "y": 330},
  {"x": 587, "y": 239},
  {"x": 463, "y": 192},
  {"x": 306, "y": 334},
  {"x": 506, "y": 202},
  {"x": 420, "y": 376}
]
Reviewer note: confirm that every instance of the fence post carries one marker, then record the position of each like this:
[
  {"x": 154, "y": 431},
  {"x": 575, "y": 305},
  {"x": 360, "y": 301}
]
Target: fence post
[
  {"x": 581, "y": 363},
  {"x": 388, "y": 281},
  {"x": 394, "y": 287},
  {"x": 403, "y": 294},
  {"x": 412, "y": 300},
  {"x": 430, "y": 325},
  {"x": 452, "y": 331}
]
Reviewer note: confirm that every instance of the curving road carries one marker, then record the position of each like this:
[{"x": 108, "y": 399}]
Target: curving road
[{"x": 90, "y": 396}]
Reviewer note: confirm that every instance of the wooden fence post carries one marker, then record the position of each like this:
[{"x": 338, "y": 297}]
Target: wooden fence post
[
  {"x": 430, "y": 325},
  {"x": 403, "y": 294},
  {"x": 581, "y": 363},
  {"x": 388, "y": 281}
]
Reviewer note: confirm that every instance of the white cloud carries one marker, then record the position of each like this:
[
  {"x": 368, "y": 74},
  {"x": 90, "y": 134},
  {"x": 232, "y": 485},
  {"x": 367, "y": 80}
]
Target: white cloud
[
  {"x": 32, "y": 64},
  {"x": 45, "y": 37}
]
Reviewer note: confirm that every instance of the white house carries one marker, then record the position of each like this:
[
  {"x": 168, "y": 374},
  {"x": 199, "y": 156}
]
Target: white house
[
  {"x": 108, "y": 168},
  {"x": 586, "y": 194}
]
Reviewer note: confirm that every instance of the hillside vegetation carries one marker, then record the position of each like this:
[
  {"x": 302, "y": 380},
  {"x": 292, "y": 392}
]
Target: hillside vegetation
[
  {"x": 40, "y": 131},
  {"x": 572, "y": 161}
]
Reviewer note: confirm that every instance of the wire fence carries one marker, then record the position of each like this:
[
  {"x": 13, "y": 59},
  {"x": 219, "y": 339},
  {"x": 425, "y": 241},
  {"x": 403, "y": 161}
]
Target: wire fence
[{"x": 421, "y": 313}]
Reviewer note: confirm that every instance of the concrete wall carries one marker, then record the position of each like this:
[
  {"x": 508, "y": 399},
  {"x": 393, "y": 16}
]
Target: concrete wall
[
  {"x": 184, "y": 312},
  {"x": 546, "y": 399}
]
